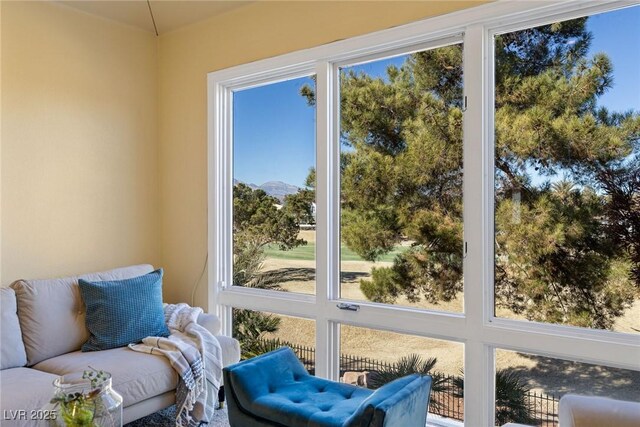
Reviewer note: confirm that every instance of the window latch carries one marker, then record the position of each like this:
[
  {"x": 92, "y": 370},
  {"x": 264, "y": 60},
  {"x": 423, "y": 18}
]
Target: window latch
[{"x": 348, "y": 306}]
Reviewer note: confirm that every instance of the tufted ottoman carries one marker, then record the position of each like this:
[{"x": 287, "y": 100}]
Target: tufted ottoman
[{"x": 274, "y": 389}]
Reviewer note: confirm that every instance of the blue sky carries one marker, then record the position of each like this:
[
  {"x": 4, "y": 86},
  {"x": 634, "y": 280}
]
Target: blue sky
[
  {"x": 274, "y": 128},
  {"x": 273, "y": 133},
  {"x": 616, "y": 34}
]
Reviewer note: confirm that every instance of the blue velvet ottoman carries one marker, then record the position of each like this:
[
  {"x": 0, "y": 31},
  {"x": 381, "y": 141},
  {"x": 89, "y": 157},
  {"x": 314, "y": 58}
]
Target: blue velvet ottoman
[{"x": 274, "y": 389}]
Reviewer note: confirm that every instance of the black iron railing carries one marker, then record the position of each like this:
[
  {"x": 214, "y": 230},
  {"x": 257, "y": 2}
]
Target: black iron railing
[{"x": 545, "y": 408}]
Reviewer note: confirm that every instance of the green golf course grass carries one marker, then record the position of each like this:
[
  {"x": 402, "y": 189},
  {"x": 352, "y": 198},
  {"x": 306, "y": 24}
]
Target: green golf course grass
[{"x": 308, "y": 253}]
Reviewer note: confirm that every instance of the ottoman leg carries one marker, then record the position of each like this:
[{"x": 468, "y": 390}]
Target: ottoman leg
[{"x": 221, "y": 397}]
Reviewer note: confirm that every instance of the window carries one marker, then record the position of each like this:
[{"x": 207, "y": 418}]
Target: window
[
  {"x": 566, "y": 172},
  {"x": 468, "y": 199},
  {"x": 529, "y": 386},
  {"x": 259, "y": 332},
  {"x": 273, "y": 181},
  {"x": 401, "y": 180},
  {"x": 371, "y": 358}
]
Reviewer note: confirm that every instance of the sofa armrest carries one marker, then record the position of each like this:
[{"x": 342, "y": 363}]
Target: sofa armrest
[
  {"x": 210, "y": 322},
  {"x": 230, "y": 346},
  {"x": 230, "y": 350},
  {"x": 402, "y": 402},
  {"x": 405, "y": 403}
]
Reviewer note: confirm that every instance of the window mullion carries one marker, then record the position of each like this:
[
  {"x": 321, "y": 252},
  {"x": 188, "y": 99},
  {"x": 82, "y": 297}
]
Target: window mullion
[
  {"x": 478, "y": 364},
  {"x": 326, "y": 339}
]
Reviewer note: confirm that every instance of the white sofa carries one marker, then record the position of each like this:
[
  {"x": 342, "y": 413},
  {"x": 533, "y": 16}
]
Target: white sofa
[
  {"x": 593, "y": 411},
  {"x": 42, "y": 329}
]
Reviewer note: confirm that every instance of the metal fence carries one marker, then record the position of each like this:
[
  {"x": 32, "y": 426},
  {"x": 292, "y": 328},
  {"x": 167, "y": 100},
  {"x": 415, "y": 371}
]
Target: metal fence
[
  {"x": 449, "y": 401},
  {"x": 545, "y": 408},
  {"x": 446, "y": 401}
]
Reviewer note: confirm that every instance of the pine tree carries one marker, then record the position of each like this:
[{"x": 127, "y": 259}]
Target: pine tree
[{"x": 566, "y": 252}]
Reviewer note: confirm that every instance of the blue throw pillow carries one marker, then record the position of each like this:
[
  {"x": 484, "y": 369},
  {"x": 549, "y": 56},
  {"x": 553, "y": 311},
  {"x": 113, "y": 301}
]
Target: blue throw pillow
[{"x": 120, "y": 312}]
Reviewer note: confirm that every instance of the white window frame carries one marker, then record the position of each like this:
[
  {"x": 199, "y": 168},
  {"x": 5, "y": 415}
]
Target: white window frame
[{"x": 477, "y": 328}]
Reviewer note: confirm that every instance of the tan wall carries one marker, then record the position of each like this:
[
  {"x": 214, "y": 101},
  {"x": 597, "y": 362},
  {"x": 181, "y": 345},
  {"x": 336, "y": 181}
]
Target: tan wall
[
  {"x": 246, "y": 34},
  {"x": 0, "y": 143},
  {"x": 80, "y": 177}
]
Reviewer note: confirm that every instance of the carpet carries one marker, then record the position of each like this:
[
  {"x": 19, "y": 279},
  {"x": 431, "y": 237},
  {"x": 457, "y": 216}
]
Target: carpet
[{"x": 167, "y": 418}]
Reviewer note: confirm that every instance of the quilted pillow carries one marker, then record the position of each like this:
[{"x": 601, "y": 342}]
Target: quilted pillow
[{"x": 120, "y": 312}]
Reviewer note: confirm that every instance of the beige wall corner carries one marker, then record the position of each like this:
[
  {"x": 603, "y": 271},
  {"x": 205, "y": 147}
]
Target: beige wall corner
[
  {"x": 80, "y": 177},
  {"x": 250, "y": 33}
]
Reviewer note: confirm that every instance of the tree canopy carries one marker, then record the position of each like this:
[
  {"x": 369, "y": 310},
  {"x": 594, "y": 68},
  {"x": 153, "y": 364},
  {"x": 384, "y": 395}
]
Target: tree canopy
[
  {"x": 566, "y": 250},
  {"x": 257, "y": 219},
  {"x": 257, "y": 222}
]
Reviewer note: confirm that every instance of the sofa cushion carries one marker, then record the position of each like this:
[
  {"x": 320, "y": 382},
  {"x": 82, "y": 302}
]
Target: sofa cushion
[
  {"x": 136, "y": 376},
  {"x": 258, "y": 376},
  {"x": 24, "y": 389},
  {"x": 12, "y": 354},
  {"x": 309, "y": 401},
  {"x": 122, "y": 312},
  {"x": 52, "y": 314}
]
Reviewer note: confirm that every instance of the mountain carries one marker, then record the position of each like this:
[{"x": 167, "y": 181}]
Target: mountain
[
  {"x": 252, "y": 186},
  {"x": 277, "y": 189}
]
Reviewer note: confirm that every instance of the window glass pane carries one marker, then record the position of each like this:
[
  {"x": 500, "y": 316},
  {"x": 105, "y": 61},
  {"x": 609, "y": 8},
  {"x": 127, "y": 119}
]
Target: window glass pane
[
  {"x": 371, "y": 358},
  {"x": 401, "y": 180},
  {"x": 528, "y": 387},
  {"x": 273, "y": 187},
  {"x": 567, "y": 180},
  {"x": 260, "y": 332}
]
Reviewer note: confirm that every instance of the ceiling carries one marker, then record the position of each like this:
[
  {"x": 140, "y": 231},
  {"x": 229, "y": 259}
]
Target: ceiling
[{"x": 168, "y": 14}]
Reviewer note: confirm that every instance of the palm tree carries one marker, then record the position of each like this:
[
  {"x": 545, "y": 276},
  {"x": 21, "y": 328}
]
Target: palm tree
[
  {"x": 563, "y": 189},
  {"x": 249, "y": 328},
  {"x": 512, "y": 402},
  {"x": 407, "y": 365}
]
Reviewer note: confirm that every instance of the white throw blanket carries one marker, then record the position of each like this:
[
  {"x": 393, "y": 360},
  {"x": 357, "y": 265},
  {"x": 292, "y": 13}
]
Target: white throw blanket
[{"x": 196, "y": 356}]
